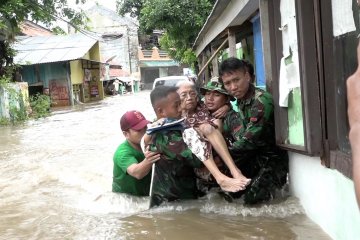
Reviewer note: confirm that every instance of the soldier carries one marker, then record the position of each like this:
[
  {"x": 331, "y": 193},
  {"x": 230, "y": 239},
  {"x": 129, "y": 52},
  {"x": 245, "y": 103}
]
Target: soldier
[
  {"x": 252, "y": 135},
  {"x": 174, "y": 176}
]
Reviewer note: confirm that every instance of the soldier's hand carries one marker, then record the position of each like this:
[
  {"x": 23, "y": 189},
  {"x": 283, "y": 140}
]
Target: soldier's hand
[
  {"x": 221, "y": 112},
  {"x": 151, "y": 157},
  {"x": 158, "y": 122}
]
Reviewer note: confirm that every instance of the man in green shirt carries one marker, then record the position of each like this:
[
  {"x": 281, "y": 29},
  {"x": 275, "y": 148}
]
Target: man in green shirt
[{"x": 131, "y": 172}]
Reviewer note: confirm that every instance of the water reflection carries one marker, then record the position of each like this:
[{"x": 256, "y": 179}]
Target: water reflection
[{"x": 56, "y": 178}]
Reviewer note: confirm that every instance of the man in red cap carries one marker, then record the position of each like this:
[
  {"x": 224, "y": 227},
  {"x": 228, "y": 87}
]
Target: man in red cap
[{"x": 132, "y": 168}]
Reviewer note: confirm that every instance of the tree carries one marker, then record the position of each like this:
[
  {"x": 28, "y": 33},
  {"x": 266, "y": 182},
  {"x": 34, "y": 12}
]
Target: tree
[
  {"x": 14, "y": 12},
  {"x": 133, "y": 7},
  {"x": 181, "y": 21}
]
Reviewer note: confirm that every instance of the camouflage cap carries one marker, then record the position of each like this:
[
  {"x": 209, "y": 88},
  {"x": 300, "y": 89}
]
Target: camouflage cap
[{"x": 214, "y": 86}]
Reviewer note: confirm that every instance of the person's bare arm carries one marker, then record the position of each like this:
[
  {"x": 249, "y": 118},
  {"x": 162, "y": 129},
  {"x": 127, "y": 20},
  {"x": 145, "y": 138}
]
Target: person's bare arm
[
  {"x": 353, "y": 96},
  {"x": 221, "y": 112},
  {"x": 140, "y": 170}
]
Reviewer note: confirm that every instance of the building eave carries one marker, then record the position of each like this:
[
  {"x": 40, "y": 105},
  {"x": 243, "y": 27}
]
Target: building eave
[{"x": 226, "y": 13}]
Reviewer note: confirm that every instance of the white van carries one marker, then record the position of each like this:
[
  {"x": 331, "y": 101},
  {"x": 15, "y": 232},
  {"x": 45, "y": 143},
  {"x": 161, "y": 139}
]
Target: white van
[{"x": 169, "y": 81}]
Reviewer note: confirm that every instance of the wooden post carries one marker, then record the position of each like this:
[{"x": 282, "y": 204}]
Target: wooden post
[
  {"x": 211, "y": 58},
  {"x": 215, "y": 63},
  {"x": 265, "y": 32},
  {"x": 232, "y": 43},
  {"x": 205, "y": 61}
]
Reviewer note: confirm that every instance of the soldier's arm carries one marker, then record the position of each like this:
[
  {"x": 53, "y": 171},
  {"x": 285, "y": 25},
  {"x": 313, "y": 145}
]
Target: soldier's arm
[
  {"x": 251, "y": 137},
  {"x": 174, "y": 147}
]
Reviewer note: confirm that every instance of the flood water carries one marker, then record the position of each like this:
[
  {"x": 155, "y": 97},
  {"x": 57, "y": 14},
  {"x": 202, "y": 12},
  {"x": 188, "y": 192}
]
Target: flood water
[{"x": 55, "y": 183}]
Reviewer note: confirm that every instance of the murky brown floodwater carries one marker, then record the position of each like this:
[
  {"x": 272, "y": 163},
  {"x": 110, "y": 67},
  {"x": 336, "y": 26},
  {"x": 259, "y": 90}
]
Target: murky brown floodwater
[{"x": 56, "y": 178}]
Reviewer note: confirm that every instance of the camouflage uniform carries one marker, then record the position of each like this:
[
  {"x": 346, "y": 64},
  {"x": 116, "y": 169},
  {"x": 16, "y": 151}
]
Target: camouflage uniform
[
  {"x": 174, "y": 176},
  {"x": 251, "y": 137}
]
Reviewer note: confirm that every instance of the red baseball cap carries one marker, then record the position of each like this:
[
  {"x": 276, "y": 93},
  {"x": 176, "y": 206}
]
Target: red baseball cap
[{"x": 134, "y": 120}]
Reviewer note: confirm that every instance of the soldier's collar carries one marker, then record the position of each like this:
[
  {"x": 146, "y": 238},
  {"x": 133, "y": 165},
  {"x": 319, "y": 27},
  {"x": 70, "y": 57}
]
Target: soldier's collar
[{"x": 248, "y": 96}]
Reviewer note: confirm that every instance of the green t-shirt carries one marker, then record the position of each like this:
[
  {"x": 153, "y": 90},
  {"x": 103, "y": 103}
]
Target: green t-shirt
[{"x": 125, "y": 156}]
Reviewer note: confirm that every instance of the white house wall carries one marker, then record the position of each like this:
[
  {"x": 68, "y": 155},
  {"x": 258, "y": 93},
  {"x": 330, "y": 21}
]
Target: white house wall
[
  {"x": 122, "y": 48},
  {"x": 326, "y": 195}
]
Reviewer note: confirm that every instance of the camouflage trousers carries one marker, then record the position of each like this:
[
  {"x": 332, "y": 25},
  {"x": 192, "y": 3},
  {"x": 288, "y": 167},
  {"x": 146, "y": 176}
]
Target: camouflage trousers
[{"x": 268, "y": 171}]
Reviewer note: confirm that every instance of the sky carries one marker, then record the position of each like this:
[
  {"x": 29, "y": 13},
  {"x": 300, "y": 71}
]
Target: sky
[{"x": 111, "y": 4}]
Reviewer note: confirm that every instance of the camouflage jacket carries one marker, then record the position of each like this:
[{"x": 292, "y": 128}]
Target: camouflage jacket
[
  {"x": 251, "y": 136},
  {"x": 174, "y": 176},
  {"x": 252, "y": 127}
]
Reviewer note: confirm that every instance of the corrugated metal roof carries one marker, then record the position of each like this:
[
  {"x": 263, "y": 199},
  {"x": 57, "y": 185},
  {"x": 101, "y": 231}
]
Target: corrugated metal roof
[{"x": 46, "y": 49}]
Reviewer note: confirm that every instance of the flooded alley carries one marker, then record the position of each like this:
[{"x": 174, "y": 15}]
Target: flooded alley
[{"x": 56, "y": 176}]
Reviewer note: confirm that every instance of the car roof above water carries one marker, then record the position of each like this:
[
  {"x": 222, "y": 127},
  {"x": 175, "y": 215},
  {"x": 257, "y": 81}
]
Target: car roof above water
[{"x": 169, "y": 80}]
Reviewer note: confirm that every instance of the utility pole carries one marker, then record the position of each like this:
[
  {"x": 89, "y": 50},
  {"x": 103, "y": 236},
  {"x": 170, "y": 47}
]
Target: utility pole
[{"x": 129, "y": 50}]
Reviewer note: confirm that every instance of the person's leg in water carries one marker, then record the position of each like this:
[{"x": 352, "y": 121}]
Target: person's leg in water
[
  {"x": 218, "y": 143},
  {"x": 202, "y": 150}
]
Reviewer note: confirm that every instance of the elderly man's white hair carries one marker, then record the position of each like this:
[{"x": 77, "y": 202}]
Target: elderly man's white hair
[{"x": 185, "y": 83}]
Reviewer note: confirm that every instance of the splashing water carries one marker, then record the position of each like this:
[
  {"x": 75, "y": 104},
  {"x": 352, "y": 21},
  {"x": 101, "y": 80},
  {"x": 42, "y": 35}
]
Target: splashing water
[{"x": 56, "y": 176}]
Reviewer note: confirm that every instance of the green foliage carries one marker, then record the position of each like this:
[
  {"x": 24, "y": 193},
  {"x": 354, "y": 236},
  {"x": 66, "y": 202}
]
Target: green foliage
[
  {"x": 181, "y": 21},
  {"x": 186, "y": 56},
  {"x": 4, "y": 121},
  {"x": 40, "y": 105},
  {"x": 58, "y": 31},
  {"x": 6, "y": 60},
  {"x": 18, "y": 113},
  {"x": 133, "y": 7},
  {"x": 4, "y": 81},
  {"x": 13, "y": 12}
]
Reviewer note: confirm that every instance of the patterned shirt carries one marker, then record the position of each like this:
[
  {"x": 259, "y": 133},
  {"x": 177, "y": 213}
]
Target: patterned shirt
[{"x": 200, "y": 116}]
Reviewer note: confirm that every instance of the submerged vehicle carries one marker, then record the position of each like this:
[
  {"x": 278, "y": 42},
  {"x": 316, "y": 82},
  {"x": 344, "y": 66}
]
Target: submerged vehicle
[{"x": 169, "y": 81}]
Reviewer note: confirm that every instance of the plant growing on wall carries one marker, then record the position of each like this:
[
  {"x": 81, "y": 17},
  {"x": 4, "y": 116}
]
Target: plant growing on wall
[{"x": 17, "y": 109}]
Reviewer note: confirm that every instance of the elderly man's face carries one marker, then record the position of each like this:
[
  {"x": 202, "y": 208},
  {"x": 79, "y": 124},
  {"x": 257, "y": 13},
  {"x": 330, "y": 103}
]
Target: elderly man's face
[
  {"x": 188, "y": 97},
  {"x": 236, "y": 83},
  {"x": 215, "y": 100}
]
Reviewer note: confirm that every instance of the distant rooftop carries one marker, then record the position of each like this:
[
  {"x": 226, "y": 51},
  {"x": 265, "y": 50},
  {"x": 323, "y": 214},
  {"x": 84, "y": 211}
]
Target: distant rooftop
[
  {"x": 125, "y": 20},
  {"x": 55, "y": 48},
  {"x": 29, "y": 28}
]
